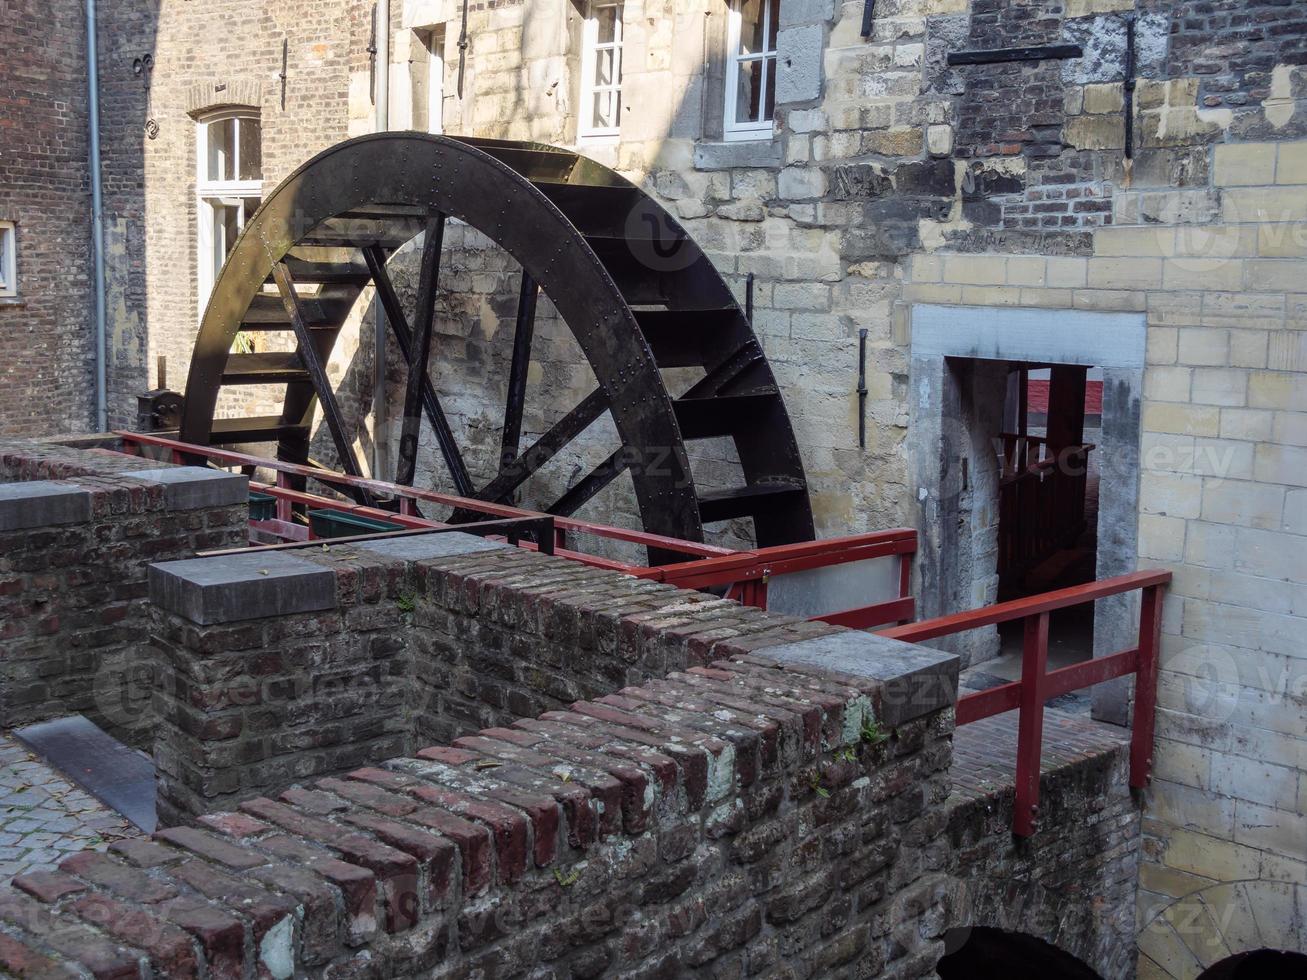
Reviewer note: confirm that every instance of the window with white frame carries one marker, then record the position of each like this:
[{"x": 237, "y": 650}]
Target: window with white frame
[
  {"x": 751, "y": 69},
  {"x": 229, "y": 185},
  {"x": 8, "y": 259},
  {"x": 429, "y": 94},
  {"x": 601, "y": 70}
]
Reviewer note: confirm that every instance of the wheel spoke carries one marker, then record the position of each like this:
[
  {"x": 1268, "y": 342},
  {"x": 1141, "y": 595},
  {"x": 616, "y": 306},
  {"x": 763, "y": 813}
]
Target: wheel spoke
[
  {"x": 308, "y": 352},
  {"x": 602, "y": 475},
  {"x": 515, "y": 473},
  {"x": 375, "y": 256},
  {"x": 522, "y": 334}
]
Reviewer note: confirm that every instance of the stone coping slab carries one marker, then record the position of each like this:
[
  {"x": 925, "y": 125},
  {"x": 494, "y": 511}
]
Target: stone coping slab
[
  {"x": 231, "y": 588},
  {"x": 38, "y": 503},
  {"x": 914, "y": 680},
  {"x": 194, "y": 487},
  {"x": 419, "y": 547}
]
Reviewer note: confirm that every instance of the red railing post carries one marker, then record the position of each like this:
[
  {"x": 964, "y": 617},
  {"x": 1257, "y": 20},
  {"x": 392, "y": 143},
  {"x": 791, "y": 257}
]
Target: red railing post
[
  {"x": 285, "y": 508},
  {"x": 1145, "y": 710},
  {"x": 1030, "y": 724}
]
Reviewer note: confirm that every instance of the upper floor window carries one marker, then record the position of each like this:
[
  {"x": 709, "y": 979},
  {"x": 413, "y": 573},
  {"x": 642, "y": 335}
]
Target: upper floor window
[
  {"x": 8, "y": 259},
  {"x": 601, "y": 70},
  {"x": 229, "y": 185},
  {"x": 751, "y": 69}
]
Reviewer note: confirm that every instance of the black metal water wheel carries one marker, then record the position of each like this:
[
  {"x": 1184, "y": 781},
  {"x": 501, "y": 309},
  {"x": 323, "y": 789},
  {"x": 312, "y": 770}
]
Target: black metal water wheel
[{"x": 638, "y": 295}]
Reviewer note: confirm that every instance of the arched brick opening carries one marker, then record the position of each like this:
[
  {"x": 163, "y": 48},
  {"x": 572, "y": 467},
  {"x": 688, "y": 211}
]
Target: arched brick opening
[
  {"x": 984, "y": 953},
  {"x": 1261, "y": 964}
]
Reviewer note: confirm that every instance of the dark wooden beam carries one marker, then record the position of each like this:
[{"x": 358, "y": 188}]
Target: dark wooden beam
[{"x": 1045, "y": 52}]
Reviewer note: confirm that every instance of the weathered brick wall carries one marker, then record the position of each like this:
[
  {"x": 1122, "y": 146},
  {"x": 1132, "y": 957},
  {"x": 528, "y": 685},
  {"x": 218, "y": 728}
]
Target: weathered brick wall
[
  {"x": 46, "y": 335},
  {"x": 600, "y": 842},
  {"x": 785, "y": 810},
  {"x": 378, "y": 648},
  {"x": 77, "y": 535},
  {"x": 1071, "y": 884}
]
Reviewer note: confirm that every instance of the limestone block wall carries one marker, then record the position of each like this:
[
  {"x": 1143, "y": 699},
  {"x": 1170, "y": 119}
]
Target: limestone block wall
[
  {"x": 1221, "y": 493},
  {"x": 77, "y": 531}
]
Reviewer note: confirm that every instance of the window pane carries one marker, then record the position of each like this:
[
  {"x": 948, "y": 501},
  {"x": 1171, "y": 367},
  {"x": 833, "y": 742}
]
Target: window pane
[
  {"x": 604, "y": 59},
  {"x": 221, "y": 135},
  {"x": 773, "y": 21},
  {"x": 751, "y": 14},
  {"x": 769, "y": 111},
  {"x": 607, "y": 110},
  {"x": 606, "y": 24},
  {"x": 747, "y": 90},
  {"x": 251, "y": 156},
  {"x": 251, "y": 205}
]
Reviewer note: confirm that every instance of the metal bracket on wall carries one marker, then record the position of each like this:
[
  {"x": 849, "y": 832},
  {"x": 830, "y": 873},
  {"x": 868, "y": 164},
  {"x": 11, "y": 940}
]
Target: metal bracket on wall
[
  {"x": 285, "y": 59},
  {"x": 862, "y": 388},
  {"x": 1128, "y": 88},
  {"x": 868, "y": 17},
  {"x": 1045, "y": 52},
  {"x": 462, "y": 50}
]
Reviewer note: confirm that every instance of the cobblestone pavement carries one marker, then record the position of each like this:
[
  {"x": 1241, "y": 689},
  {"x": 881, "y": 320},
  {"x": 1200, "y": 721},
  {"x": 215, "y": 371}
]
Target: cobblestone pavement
[{"x": 44, "y": 817}]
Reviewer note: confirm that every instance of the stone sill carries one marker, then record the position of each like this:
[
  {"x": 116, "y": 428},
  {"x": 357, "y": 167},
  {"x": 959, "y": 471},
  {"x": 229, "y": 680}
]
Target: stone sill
[
  {"x": 12, "y": 303},
  {"x": 761, "y": 153}
]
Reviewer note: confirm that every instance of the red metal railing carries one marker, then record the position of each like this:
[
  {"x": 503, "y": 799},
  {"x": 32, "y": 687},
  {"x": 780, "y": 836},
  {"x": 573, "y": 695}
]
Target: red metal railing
[
  {"x": 745, "y": 574},
  {"x": 1038, "y": 684}
]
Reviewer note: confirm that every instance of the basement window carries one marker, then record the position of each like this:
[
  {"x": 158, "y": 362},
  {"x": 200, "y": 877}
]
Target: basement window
[
  {"x": 751, "y": 69},
  {"x": 601, "y": 71},
  {"x": 229, "y": 185},
  {"x": 8, "y": 260}
]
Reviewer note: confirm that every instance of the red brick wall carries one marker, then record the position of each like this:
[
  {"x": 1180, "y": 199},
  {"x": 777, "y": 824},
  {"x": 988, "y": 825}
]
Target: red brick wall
[
  {"x": 46, "y": 339},
  {"x": 73, "y": 595}
]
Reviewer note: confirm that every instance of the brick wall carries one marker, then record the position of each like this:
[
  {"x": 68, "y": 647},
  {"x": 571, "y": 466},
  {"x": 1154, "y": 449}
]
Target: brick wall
[
  {"x": 785, "y": 810},
  {"x": 46, "y": 333},
  {"x": 378, "y": 648},
  {"x": 77, "y": 533}
]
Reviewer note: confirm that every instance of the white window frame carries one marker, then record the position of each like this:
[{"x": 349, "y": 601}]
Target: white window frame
[
  {"x": 8, "y": 260},
  {"x": 433, "y": 40},
  {"x": 756, "y": 129},
  {"x": 209, "y": 193},
  {"x": 590, "y": 47}
]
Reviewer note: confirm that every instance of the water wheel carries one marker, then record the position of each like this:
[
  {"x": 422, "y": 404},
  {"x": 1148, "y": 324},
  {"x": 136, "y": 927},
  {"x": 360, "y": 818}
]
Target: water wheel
[{"x": 637, "y": 294}]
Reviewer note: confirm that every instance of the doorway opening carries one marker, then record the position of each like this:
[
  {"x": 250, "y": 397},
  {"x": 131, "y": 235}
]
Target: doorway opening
[{"x": 1048, "y": 493}]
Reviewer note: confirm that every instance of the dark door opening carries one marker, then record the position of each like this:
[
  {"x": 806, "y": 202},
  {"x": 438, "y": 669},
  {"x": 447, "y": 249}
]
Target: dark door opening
[{"x": 1048, "y": 503}]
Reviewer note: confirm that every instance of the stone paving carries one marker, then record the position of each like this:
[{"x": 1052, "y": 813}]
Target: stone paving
[{"x": 44, "y": 817}]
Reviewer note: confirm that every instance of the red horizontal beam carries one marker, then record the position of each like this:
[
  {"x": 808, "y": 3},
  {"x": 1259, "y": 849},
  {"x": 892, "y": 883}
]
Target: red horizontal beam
[
  {"x": 786, "y": 558},
  {"x": 865, "y": 617},
  {"x": 1007, "y": 697},
  {"x": 1004, "y": 612},
  {"x": 332, "y": 478}
]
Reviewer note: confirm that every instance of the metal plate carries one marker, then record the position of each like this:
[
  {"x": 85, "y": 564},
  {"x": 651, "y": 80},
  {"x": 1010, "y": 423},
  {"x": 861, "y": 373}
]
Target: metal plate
[{"x": 115, "y": 774}]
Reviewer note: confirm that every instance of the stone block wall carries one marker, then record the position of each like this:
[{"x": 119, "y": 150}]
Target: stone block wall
[
  {"x": 77, "y": 532},
  {"x": 286, "y": 664}
]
